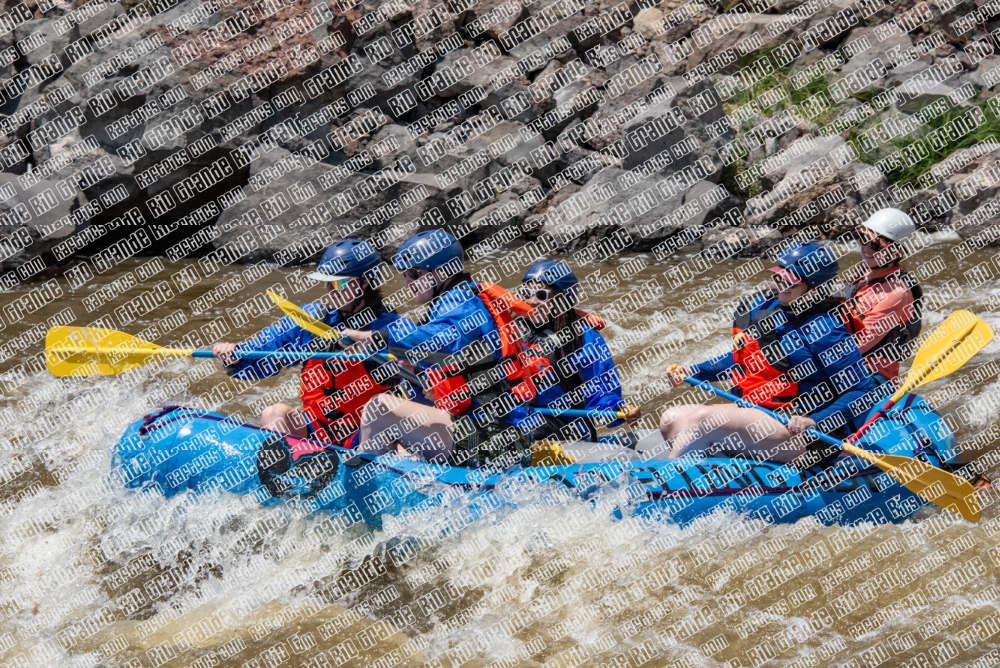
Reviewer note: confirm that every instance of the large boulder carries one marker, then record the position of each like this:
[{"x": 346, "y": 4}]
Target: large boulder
[
  {"x": 37, "y": 219},
  {"x": 491, "y": 18},
  {"x": 973, "y": 210},
  {"x": 637, "y": 211},
  {"x": 689, "y": 140},
  {"x": 293, "y": 209},
  {"x": 660, "y": 126},
  {"x": 169, "y": 147},
  {"x": 818, "y": 185}
]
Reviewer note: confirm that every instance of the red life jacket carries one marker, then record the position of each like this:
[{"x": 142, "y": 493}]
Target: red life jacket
[
  {"x": 454, "y": 386},
  {"x": 760, "y": 372},
  {"x": 333, "y": 394}
]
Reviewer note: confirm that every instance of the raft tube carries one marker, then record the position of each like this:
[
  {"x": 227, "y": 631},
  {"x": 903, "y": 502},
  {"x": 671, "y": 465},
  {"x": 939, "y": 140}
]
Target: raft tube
[{"x": 179, "y": 449}]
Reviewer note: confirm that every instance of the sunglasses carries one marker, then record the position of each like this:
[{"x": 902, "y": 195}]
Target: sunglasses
[
  {"x": 542, "y": 294},
  {"x": 875, "y": 241},
  {"x": 339, "y": 283},
  {"x": 412, "y": 274}
]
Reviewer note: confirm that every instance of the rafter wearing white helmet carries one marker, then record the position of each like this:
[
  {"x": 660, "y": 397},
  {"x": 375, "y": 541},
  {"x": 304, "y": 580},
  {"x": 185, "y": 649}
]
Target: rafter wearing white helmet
[
  {"x": 885, "y": 234},
  {"x": 887, "y": 298}
]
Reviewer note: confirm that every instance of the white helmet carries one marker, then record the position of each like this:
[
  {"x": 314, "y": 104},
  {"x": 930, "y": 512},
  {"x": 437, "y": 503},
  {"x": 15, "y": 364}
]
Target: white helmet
[{"x": 891, "y": 224}]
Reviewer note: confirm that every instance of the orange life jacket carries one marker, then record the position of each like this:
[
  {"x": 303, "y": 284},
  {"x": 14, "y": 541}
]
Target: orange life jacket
[
  {"x": 454, "y": 386},
  {"x": 848, "y": 314},
  {"x": 335, "y": 391},
  {"x": 897, "y": 341}
]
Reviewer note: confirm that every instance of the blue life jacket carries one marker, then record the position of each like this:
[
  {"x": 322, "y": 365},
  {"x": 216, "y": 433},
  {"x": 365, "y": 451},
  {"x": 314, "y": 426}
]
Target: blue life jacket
[{"x": 813, "y": 350}]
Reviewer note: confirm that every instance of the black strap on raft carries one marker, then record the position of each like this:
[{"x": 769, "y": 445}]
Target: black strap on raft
[
  {"x": 147, "y": 422},
  {"x": 313, "y": 472}
]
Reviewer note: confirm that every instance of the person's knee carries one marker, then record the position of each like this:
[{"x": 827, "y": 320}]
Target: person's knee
[
  {"x": 680, "y": 418},
  {"x": 669, "y": 419},
  {"x": 423, "y": 420},
  {"x": 275, "y": 413},
  {"x": 709, "y": 421}
]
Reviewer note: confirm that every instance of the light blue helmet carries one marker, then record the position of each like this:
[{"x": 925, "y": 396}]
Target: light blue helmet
[{"x": 556, "y": 274}]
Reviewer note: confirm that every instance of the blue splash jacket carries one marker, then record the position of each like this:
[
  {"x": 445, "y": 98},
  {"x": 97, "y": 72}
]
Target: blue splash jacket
[
  {"x": 458, "y": 318},
  {"x": 286, "y": 335},
  {"x": 822, "y": 338},
  {"x": 601, "y": 389}
]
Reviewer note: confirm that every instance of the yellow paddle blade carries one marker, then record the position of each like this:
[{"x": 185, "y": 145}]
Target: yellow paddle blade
[
  {"x": 309, "y": 323},
  {"x": 550, "y": 453},
  {"x": 303, "y": 319},
  {"x": 940, "y": 487},
  {"x": 951, "y": 345},
  {"x": 94, "y": 351}
]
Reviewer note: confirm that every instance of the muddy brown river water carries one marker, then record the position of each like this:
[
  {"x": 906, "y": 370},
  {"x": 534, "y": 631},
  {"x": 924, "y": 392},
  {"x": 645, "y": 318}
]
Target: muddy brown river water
[{"x": 92, "y": 574}]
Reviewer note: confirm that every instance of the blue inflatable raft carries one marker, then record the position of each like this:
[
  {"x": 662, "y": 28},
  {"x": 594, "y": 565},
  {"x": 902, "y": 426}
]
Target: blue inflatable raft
[{"x": 179, "y": 449}]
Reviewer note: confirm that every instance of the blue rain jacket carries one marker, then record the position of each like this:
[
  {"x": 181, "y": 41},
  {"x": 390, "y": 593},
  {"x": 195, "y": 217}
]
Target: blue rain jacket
[
  {"x": 822, "y": 339},
  {"x": 458, "y": 318},
  {"x": 601, "y": 387}
]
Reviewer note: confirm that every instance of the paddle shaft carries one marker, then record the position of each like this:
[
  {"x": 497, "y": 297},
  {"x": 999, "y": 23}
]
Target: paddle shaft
[
  {"x": 293, "y": 355},
  {"x": 849, "y": 448},
  {"x": 301, "y": 356},
  {"x": 829, "y": 440},
  {"x": 574, "y": 412},
  {"x": 296, "y": 356}
]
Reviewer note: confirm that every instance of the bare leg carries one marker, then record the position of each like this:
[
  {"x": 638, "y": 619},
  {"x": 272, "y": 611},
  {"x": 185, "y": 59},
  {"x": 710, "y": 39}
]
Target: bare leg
[
  {"x": 692, "y": 429},
  {"x": 284, "y": 418},
  {"x": 422, "y": 430}
]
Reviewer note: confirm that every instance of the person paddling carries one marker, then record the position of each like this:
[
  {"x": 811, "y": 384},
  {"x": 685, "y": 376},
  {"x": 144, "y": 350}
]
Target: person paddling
[
  {"x": 804, "y": 363},
  {"x": 887, "y": 298},
  {"x": 333, "y": 392},
  {"x": 475, "y": 364},
  {"x": 579, "y": 372}
]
